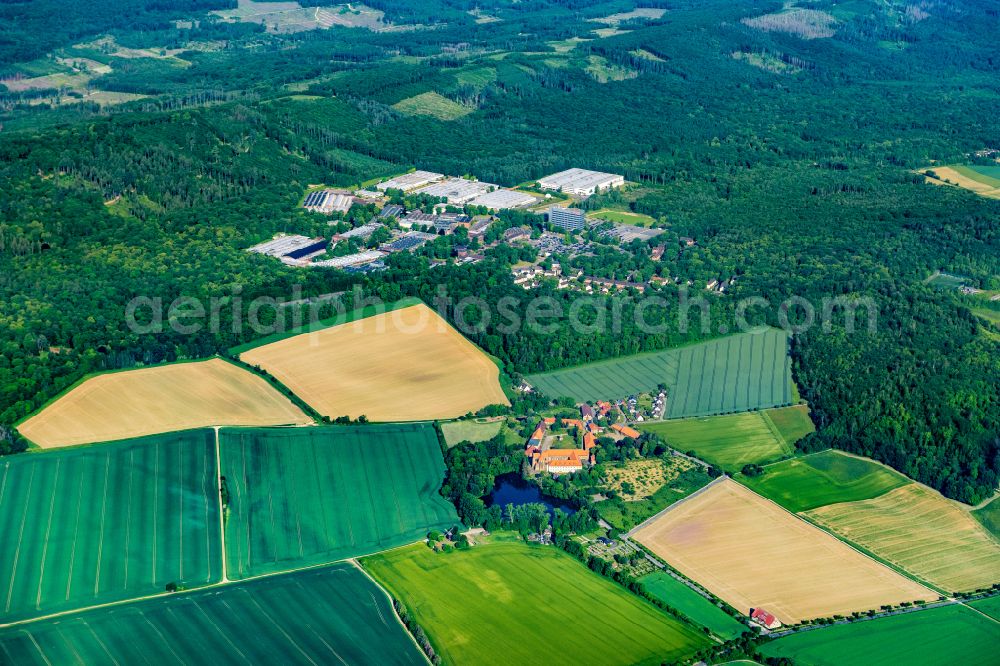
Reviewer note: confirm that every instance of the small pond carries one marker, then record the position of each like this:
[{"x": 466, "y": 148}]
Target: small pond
[{"x": 512, "y": 489}]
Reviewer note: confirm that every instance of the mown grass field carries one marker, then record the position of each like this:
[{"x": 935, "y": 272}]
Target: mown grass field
[
  {"x": 736, "y": 373},
  {"x": 729, "y": 441},
  {"x": 935, "y": 637},
  {"x": 408, "y": 364},
  {"x": 668, "y": 589},
  {"x": 824, "y": 478},
  {"x": 512, "y": 603},
  {"x": 921, "y": 532},
  {"x": 306, "y": 496},
  {"x": 456, "y": 432},
  {"x": 753, "y": 554},
  {"x": 101, "y": 523},
  {"x": 432, "y": 104},
  {"x": 329, "y": 615},
  {"x": 164, "y": 398},
  {"x": 622, "y": 217},
  {"x": 793, "y": 423}
]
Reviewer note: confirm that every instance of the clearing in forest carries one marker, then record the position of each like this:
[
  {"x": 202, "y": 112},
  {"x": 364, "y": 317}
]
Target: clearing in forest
[
  {"x": 736, "y": 373},
  {"x": 922, "y": 532},
  {"x": 408, "y": 364},
  {"x": 147, "y": 401},
  {"x": 432, "y": 104},
  {"x": 321, "y": 616},
  {"x": 97, "y": 524},
  {"x": 754, "y": 554},
  {"x": 305, "y": 496},
  {"x": 514, "y": 603}
]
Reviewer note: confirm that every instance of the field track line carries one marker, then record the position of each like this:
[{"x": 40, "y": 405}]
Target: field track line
[
  {"x": 48, "y": 531},
  {"x": 20, "y": 536},
  {"x": 180, "y": 512},
  {"x": 104, "y": 512},
  {"x": 38, "y": 647},
  {"x": 277, "y": 625},
  {"x": 202, "y": 588},
  {"x": 989, "y": 617},
  {"x": 99, "y": 642},
  {"x": 162, "y": 638},
  {"x": 222, "y": 633},
  {"x": 222, "y": 518},
  {"x": 354, "y": 562},
  {"x": 156, "y": 501},
  {"x": 128, "y": 513},
  {"x": 76, "y": 532}
]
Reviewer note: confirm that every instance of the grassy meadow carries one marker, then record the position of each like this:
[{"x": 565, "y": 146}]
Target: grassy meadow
[
  {"x": 511, "y": 602},
  {"x": 682, "y": 479},
  {"x": 823, "y": 478},
  {"x": 329, "y": 615},
  {"x": 671, "y": 591},
  {"x": 989, "y": 517},
  {"x": 306, "y": 496},
  {"x": 102, "y": 523},
  {"x": 935, "y": 637},
  {"x": 456, "y": 432}
]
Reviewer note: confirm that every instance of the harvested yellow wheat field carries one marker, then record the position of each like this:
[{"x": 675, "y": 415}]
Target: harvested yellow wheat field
[
  {"x": 922, "y": 532},
  {"x": 403, "y": 365},
  {"x": 754, "y": 554},
  {"x": 147, "y": 401}
]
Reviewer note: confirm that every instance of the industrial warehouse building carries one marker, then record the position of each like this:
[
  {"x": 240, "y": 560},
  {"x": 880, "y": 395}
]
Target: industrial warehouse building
[
  {"x": 581, "y": 182},
  {"x": 457, "y": 191},
  {"x": 502, "y": 199},
  {"x": 409, "y": 181},
  {"x": 292, "y": 247},
  {"x": 570, "y": 219},
  {"x": 328, "y": 201},
  {"x": 349, "y": 260}
]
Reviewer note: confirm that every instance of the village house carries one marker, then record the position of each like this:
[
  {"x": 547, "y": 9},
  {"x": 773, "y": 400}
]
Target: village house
[{"x": 764, "y": 619}]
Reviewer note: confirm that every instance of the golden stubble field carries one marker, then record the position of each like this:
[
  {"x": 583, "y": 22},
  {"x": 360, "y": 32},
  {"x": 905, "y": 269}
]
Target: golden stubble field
[
  {"x": 754, "y": 554},
  {"x": 403, "y": 365},
  {"x": 922, "y": 532},
  {"x": 164, "y": 398}
]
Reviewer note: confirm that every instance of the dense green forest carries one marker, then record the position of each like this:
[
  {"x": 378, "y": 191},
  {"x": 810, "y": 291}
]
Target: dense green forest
[{"x": 791, "y": 161}]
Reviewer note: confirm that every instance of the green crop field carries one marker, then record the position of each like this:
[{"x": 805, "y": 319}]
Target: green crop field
[
  {"x": 329, "y": 615},
  {"x": 456, "y": 432},
  {"x": 671, "y": 591},
  {"x": 306, "y": 496},
  {"x": 792, "y": 423},
  {"x": 511, "y": 602},
  {"x": 736, "y": 373},
  {"x": 990, "y": 606},
  {"x": 106, "y": 522},
  {"x": 939, "y": 636},
  {"x": 824, "y": 478},
  {"x": 729, "y": 441},
  {"x": 989, "y": 516}
]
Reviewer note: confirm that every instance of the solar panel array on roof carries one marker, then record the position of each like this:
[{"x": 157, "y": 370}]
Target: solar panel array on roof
[{"x": 392, "y": 211}]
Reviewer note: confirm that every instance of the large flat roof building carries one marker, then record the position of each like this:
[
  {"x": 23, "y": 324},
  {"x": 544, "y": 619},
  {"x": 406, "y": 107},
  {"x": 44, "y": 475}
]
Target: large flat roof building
[
  {"x": 409, "y": 181},
  {"x": 502, "y": 199},
  {"x": 291, "y": 247},
  {"x": 457, "y": 191},
  {"x": 581, "y": 182},
  {"x": 349, "y": 260},
  {"x": 570, "y": 219},
  {"x": 328, "y": 201}
]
